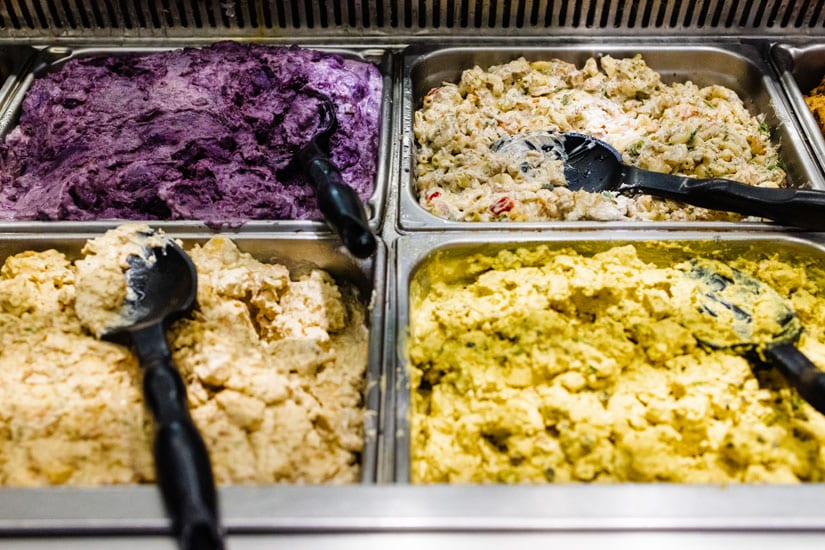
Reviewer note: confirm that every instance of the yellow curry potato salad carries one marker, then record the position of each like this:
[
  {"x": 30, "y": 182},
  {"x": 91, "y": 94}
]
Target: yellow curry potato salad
[
  {"x": 543, "y": 365},
  {"x": 679, "y": 129}
]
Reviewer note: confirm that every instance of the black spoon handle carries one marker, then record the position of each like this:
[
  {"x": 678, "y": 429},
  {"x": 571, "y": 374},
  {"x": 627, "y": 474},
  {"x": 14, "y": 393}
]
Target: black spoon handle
[
  {"x": 800, "y": 373},
  {"x": 795, "y": 207},
  {"x": 339, "y": 204},
  {"x": 181, "y": 460}
]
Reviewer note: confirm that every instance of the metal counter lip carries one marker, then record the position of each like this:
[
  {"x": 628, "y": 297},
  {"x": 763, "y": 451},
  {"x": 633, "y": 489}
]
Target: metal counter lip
[
  {"x": 382, "y": 58},
  {"x": 483, "y": 508},
  {"x": 413, "y": 217},
  {"x": 131, "y": 507}
]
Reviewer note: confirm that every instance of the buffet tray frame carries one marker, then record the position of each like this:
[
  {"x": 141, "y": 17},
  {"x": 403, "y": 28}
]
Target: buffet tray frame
[{"x": 390, "y": 505}]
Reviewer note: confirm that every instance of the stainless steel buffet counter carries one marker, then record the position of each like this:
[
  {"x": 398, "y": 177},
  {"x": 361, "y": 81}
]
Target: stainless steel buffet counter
[{"x": 416, "y": 46}]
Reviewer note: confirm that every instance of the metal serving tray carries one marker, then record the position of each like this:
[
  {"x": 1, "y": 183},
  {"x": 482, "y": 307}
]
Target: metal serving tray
[
  {"x": 52, "y": 58},
  {"x": 800, "y": 69},
  {"x": 738, "y": 66},
  {"x": 14, "y": 62},
  {"x": 416, "y": 256},
  {"x": 133, "y": 508}
]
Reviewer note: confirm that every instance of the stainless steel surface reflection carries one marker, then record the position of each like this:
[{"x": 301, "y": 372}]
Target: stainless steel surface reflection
[{"x": 801, "y": 66}]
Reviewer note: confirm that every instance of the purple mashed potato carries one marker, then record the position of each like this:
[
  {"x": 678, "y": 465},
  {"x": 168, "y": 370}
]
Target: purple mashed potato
[{"x": 194, "y": 134}]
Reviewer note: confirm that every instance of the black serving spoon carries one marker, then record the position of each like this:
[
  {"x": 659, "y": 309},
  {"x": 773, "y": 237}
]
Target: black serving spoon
[
  {"x": 595, "y": 166},
  {"x": 749, "y": 317},
  {"x": 340, "y": 205},
  {"x": 163, "y": 286}
]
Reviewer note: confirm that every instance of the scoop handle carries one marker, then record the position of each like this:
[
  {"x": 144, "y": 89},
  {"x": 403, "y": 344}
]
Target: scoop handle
[
  {"x": 340, "y": 205},
  {"x": 800, "y": 373},
  {"x": 803, "y": 208},
  {"x": 181, "y": 460}
]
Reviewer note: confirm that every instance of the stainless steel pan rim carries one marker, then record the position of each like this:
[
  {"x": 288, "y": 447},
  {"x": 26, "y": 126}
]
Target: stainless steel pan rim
[
  {"x": 801, "y": 65},
  {"x": 14, "y": 62},
  {"x": 404, "y": 508}
]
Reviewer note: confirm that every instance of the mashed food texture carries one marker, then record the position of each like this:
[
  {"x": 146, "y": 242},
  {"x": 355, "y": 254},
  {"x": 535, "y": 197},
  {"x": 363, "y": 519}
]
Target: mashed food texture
[
  {"x": 104, "y": 298},
  {"x": 540, "y": 365},
  {"x": 274, "y": 363},
  {"x": 192, "y": 134},
  {"x": 679, "y": 129}
]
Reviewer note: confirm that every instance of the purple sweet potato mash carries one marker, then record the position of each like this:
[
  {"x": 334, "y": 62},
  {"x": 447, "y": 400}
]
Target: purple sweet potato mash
[{"x": 194, "y": 134}]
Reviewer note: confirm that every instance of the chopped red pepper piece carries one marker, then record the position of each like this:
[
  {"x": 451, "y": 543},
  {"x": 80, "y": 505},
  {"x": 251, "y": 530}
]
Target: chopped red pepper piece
[{"x": 503, "y": 204}]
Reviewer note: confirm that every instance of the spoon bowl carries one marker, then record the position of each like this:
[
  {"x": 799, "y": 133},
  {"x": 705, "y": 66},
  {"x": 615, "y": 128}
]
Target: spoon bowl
[
  {"x": 592, "y": 165},
  {"x": 741, "y": 313},
  {"x": 161, "y": 287},
  {"x": 744, "y": 313}
]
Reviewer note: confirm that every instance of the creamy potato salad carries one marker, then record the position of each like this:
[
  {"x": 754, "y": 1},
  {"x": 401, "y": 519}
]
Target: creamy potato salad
[
  {"x": 679, "y": 129},
  {"x": 273, "y": 360}
]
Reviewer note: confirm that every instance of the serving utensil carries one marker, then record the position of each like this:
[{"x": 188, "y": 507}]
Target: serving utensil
[
  {"x": 340, "y": 205},
  {"x": 743, "y": 314},
  {"x": 161, "y": 286},
  {"x": 595, "y": 166}
]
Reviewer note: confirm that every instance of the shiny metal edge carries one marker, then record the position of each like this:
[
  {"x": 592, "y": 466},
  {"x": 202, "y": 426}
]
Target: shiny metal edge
[
  {"x": 50, "y": 57},
  {"x": 415, "y": 251},
  {"x": 801, "y": 67},
  {"x": 132, "y": 508},
  {"x": 803, "y": 170},
  {"x": 14, "y": 62},
  {"x": 444, "y": 508}
]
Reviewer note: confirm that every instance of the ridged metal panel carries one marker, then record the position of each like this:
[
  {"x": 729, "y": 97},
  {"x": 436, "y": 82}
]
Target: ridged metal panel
[{"x": 399, "y": 18}]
